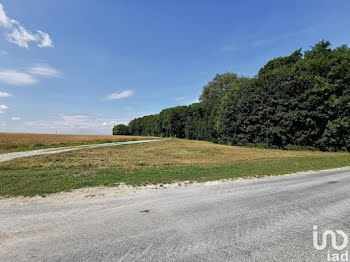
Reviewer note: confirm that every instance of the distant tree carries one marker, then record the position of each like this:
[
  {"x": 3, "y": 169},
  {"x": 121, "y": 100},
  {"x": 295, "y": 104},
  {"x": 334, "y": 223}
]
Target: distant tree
[{"x": 121, "y": 130}]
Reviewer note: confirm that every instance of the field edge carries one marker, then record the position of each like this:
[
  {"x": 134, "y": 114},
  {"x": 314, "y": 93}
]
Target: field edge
[{"x": 38, "y": 182}]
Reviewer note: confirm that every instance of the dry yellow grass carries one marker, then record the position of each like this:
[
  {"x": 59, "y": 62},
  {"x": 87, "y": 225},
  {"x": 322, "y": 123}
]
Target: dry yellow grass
[
  {"x": 174, "y": 152},
  {"x": 23, "y": 141}
]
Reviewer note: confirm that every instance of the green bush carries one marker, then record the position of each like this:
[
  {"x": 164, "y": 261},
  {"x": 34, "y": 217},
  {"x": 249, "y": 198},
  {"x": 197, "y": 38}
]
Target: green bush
[{"x": 121, "y": 130}]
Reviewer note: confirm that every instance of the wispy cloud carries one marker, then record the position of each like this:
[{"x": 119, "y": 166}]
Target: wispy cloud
[
  {"x": 120, "y": 95},
  {"x": 45, "y": 71},
  {"x": 4, "y": 94},
  {"x": 15, "y": 118},
  {"x": 13, "y": 77},
  {"x": 264, "y": 42},
  {"x": 77, "y": 124},
  {"x": 30, "y": 76},
  {"x": 193, "y": 101},
  {"x": 20, "y": 36},
  {"x": 180, "y": 98},
  {"x": 3, "y": 108}
]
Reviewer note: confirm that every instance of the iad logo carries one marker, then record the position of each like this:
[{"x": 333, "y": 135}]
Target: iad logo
[{"x": 333, "y": 236}]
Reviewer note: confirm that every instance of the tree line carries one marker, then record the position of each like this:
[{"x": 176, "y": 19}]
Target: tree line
[{"x": 298, "y": 101}]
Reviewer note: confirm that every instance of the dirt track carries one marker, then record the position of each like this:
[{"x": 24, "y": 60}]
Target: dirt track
[{"x": 10, "y": 156}]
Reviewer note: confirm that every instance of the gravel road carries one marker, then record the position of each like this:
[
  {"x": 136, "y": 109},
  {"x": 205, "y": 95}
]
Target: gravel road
[
  {"x": 269, "y": 219},
  {"x": 48, "y": 151}
]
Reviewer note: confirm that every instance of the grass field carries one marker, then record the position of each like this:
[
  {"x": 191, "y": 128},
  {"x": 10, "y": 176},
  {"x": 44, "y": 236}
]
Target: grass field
[
  {"x": 160, "y": 162},
  {"x": 15, "y": 142}
]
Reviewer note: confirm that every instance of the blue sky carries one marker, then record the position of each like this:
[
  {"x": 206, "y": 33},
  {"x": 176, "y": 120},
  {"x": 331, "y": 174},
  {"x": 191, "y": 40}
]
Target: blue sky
[{"x": 83, "y": 66}]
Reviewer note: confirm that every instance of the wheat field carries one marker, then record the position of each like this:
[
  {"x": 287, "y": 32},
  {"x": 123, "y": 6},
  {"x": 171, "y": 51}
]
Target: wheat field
[
  {"x": 12, "y": 142},
  {"x": 170, "y": 153},
  {"x": 168, "y": 161}
]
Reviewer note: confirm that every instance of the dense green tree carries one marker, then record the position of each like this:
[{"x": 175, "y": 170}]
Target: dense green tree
[
  {"x": 301, "y": 100},
  {"x": 294, "y": 100},
  {"x": 216, "y": 88},
  {"x": 121, "y": 130}
]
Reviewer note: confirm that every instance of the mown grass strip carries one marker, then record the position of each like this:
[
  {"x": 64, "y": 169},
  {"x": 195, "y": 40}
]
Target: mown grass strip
[{"x": 42, "y": 181}]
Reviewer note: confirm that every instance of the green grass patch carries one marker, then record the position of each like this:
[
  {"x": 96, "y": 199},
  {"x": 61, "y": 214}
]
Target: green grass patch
[{"x": 42, "y": 181}]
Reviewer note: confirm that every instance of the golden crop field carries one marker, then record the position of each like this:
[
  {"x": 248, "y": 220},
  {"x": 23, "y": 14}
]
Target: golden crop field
[
  {"x": 11, "y": 142},
  {"x": 160, "y": 162},
  {"x": 170, "y": 153}
]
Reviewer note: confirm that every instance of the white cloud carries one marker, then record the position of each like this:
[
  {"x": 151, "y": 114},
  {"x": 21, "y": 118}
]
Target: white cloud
[
  {"x": 4, "y": 94},
  {"x": 75, "y": 124},
  {"x": 45, "y": 71},
  {"x": 263, "y": 42},
  {"x": 20, "y": 36},
  {"x": 45, "y": 40},
  {"x": 15, "y": 118},
  {"x": 179, "y": 98},
  {"x": 4, "y": 20},
  {"x": 14, "y": 77},
  {"x": 120, "y": 95},
  {"x": 193, "y": 101},
  {"x": 3, "y": 107}
]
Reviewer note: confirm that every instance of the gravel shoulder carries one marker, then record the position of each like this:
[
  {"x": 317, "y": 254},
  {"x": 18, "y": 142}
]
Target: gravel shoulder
[{"x": 267, "y": 219}]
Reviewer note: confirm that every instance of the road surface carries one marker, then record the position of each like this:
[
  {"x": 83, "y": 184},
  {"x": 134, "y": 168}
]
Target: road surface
[
  {"x": 49, "y": 151},
  {"x": 269, "y": 219}
]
